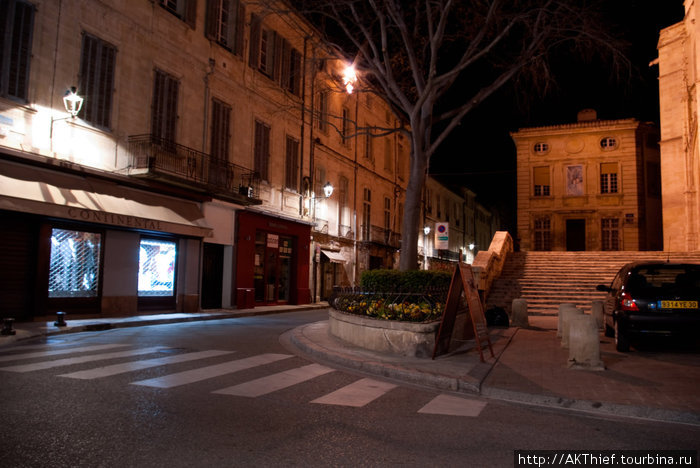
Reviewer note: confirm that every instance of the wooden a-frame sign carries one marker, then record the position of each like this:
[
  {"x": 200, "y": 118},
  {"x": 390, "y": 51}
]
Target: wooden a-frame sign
[{"x": 463, "y": 282}]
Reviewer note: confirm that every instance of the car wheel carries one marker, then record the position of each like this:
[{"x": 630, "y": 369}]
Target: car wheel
[{"x": 622, "y": 343}]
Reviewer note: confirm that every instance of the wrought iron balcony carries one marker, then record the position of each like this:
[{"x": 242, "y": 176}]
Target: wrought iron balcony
[
  {"x": 380, "y": 235},
  {"x": 168, "y": 161}
]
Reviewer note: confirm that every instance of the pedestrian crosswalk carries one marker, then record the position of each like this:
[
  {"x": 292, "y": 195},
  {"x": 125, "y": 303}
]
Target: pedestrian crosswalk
[{"x": 357, "y": 394}]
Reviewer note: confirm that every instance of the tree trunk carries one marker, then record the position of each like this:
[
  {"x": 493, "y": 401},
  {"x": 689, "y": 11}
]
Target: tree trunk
[{"x": 412, "y": 207}]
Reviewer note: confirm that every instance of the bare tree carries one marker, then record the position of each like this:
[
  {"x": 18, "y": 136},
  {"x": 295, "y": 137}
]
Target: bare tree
[{"x": 434, "y": 61}]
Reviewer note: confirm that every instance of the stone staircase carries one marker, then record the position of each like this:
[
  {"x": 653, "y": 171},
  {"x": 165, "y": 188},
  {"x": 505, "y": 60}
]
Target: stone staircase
[{"x": 547, "y": 279}]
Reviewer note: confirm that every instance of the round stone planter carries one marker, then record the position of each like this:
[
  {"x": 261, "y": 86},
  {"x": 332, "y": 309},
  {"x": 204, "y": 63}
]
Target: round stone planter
[{"x": 386, "y": 336}]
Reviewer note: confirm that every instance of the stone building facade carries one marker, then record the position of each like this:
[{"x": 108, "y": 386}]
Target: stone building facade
[
  {"x": 678, "y": 61},
  {"x": 591, "y": 185},
  {"x": 468, "y": 225},
  {"x": 192, "y": 176}
]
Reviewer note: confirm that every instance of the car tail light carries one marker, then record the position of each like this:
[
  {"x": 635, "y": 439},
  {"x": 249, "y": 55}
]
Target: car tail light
[{"x": 627, "y": 303}]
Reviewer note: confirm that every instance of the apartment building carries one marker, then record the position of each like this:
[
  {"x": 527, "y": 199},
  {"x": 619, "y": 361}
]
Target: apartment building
[
  {"x": 173, "y": 155},
  {"x": 590, "y": 185},
  {"x": 678, "y": 61},
  {"x": 455, "y": 226}
]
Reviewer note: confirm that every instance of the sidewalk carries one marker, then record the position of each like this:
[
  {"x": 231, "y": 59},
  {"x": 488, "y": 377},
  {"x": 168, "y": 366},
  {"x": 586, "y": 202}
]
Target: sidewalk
[{"x": 529, "y": 366}]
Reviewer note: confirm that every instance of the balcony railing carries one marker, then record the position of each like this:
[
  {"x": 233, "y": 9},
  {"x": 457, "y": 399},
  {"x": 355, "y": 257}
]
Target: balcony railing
[
  {"x": 380, "y": 235},
  {"x": 155, "y": 157}
]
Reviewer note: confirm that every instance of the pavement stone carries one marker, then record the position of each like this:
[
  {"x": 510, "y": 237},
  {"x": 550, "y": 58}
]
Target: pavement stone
[{"x": 529, "y": 365}]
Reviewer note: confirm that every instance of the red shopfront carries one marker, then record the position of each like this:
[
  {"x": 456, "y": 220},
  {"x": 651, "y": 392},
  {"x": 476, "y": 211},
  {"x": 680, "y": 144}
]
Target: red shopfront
[{"x": 272, "y": 261}]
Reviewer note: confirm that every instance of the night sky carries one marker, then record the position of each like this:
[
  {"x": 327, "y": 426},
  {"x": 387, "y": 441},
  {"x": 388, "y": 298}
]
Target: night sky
[{"x": 481, "y": 155}]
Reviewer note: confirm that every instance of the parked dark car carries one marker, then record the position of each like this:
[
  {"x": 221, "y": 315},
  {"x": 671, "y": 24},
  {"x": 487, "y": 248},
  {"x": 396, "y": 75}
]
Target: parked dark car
[{"x": 652, "y": 298}]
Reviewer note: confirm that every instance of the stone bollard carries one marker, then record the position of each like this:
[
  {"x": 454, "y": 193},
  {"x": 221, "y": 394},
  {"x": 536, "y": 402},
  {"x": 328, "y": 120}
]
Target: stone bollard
[
  {"x": 568, "y": 314},
  {"x": 584, "y": 343},
  {"x": 562, "y": 307},
  {"x": 597, "y": 310},
  {"x": 518, "y": 316}
]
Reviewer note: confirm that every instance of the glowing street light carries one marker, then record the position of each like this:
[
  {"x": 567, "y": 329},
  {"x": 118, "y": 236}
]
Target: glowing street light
[
  {"x": 72, "y": 102},
  {"x": 349, "y": 78}
]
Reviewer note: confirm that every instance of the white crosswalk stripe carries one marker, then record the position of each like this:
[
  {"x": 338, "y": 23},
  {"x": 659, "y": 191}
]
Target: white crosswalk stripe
[
  {"x": 55, "y": 352},
  {"x": 139, "y": 365},
  {"x": 196, "y": 375},
  {"x": 454, "y": 406},
  {"x": 80, "y": 360},
  {"x": 357, "y": 394},
  {"x": 279, "y": 381}
]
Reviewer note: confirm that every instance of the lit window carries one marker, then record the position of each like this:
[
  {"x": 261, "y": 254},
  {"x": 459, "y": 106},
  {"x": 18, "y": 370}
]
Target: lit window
[
  {"x": 608, "y": 178},
  {"x": 608, "y": 143},
  {"x": 157, "y": 268},
  {"x": 75, "y": 263},
  {"x": 541, "y": 148},
  {"x": 541, "y": 177}
]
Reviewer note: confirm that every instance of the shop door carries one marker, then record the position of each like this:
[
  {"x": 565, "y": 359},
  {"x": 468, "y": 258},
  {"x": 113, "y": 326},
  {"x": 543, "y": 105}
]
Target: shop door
[
  {"x": 212, "y": 275},
  {"x": 273, "y": 268},
  {"x": 575, "y": 234}
]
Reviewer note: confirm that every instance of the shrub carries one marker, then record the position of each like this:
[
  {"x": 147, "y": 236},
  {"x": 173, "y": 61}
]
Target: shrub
[
  {"x": 415, "y": 296},
  {"x": 412, "y": 281}
]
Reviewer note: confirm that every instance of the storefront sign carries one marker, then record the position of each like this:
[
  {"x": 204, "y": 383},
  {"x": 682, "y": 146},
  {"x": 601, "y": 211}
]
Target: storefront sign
[
  {"x": 442, "y": 236},
  {"x": 273, "y": 241},
  {"x": 114, "y": 219}
]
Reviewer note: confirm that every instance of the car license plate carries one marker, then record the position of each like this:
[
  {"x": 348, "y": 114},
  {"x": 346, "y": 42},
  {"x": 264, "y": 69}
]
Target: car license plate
[{"x": 678, "y": 304}]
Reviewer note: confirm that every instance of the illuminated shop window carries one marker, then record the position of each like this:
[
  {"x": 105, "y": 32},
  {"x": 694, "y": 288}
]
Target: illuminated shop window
[
  {"x": 75, "y": 263},
  {"x": 157, "y": 268}
]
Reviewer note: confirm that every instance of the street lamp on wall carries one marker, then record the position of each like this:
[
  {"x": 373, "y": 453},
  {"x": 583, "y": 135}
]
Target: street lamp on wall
[
  {"x": 349, "y": 78},
  {"x": 72, "y": 102}
]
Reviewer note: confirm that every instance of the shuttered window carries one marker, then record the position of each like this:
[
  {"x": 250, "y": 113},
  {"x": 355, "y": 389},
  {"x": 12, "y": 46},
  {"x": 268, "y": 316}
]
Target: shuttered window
[
  {"x": 262, "y": 150},
  {"x": 608, "y": 178},
  {"x": 16, "y": 26},
  {"x": 220, "y": 130},
  {"x": 97, "y": 61},
  {"x": 186, "y": 10},
  {"x": 225, "y": 20},
  {"x": 164, "y": 106},
  {"x": 541, "y": 178},
  {"x": 291, "y": 169}
]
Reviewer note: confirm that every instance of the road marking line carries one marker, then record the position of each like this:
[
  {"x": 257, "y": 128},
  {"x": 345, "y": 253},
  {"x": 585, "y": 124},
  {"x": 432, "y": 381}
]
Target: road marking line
[
  {"x": 55, "y": 352},
  {"x": 204, "y": 373},
  {"x": 272, "y": 383},
  {"x": 145, "y": 364},
  {"x": 79, "y": 360},
  {"x": 454, "y": 406},
  {"x": 356, "y": 394}
]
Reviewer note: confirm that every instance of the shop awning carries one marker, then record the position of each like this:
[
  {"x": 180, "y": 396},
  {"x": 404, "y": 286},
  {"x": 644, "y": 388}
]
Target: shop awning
[
  {"x": 334, "y": 257},
  {"x": 89, "y": 199}
]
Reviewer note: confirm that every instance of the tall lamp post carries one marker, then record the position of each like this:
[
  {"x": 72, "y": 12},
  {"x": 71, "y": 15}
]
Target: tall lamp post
[{"x": 426, "y": 231}]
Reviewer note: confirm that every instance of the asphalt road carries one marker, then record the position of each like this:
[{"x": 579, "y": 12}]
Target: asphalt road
[{"x": 228, "y": 393}]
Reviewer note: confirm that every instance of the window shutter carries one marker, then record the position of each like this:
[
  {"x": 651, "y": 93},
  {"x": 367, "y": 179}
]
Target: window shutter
[
  {"x": 240, "y": 23},
  {"x": 15, "y": 55},
  {"x": 254, "y": 49},
  {"x": 608, "y": 168},
  {"x": 213, "y": 15},
  {"x": 191, "y": 13},
  {"x": 541, "y": 175}
]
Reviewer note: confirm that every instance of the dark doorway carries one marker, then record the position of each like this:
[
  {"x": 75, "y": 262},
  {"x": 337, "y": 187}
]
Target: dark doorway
[
  {"x": 212, "y": 275},
  {"x": 575, "y": 234}
]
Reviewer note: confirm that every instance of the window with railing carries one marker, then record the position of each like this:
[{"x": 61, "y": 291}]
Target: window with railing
[
  {"x": 164, "y": 108},
  {"x": 220, "y": 130},
  {"x": 262, "y": 150}
]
